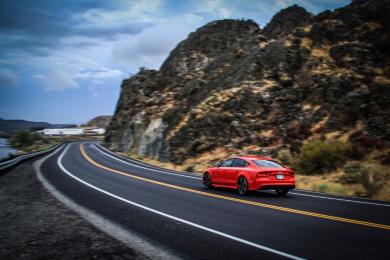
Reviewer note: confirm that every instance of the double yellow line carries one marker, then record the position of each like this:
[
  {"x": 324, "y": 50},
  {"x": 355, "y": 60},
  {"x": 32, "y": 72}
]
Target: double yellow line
[{"x": 258, "y": 204}]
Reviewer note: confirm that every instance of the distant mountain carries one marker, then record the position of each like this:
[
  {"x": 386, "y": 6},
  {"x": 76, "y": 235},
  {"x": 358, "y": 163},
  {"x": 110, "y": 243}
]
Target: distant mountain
[
  {"x": 19, "y": 125},
  {"x": 99, "y": 121}
]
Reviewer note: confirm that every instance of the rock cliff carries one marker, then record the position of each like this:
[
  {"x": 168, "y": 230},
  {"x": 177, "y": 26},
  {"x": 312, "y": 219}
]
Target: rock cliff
[
  {"x": 99, "y": 121},
  {"x": 234, "y": 85}
]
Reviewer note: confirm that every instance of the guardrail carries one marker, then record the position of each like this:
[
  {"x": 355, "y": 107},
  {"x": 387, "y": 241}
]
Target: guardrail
[{"x": 13, "y": 162}]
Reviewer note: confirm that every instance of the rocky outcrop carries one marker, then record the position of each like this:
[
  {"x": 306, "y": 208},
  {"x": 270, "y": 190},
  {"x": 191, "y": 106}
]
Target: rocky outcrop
[
  {"x": 99, "y": 121},
  {"x": 232, "y": 85},
  {"x": 284, "y": 22}
]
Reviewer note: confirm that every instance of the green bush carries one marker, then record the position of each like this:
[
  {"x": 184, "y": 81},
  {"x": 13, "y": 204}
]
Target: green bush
[
  {"x": 318, "y": 156},
  {"x": 24, "y": 139},
  {"x": 190, "y": 168},
  {"x": 323, "y": 188},
  {"x": 371, "y": 175},
  {"x": 284, "y": 156},
  {"x": 354, "y": 172},
  {"x": 374, "y": 179}
]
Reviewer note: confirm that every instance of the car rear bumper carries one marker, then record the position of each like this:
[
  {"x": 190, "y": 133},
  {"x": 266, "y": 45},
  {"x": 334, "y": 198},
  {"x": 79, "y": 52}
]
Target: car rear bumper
[
  {"x": 278, "y": 186},
  {"x": 272, "y": 185}
]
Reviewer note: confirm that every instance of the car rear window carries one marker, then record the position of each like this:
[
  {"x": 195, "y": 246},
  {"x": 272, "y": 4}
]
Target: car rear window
[
  {"x": 239, "y": 163},
  {"x": 267, "y": 164}
]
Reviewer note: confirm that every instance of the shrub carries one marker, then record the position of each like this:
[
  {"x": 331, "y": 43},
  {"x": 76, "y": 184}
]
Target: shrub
[
  {"x": 374, "y": 179},
  {"x": 372, "y": 176},
  {"x": 190, "y": 168},
  {"x": 323, "y": 188},
  {"x": 354, "y": 172},
  {"x": 318, "y": 156},
  {"x": 24, "y": 139},
  {"x": 284, "y": 156}
]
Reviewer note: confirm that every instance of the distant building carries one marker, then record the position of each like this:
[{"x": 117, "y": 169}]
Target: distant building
[
  {"x": 99, "y": 131},
  {"x": 63, "y": 131}
]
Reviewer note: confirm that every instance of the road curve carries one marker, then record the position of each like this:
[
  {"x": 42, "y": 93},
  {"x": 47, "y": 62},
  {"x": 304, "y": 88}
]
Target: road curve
[{"x": 172, "y": 210}]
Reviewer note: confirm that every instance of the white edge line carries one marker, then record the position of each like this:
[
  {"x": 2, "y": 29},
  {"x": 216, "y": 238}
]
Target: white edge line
[
  {"x": 299, "y": 194},
  {"x": 131, "y": 239},
  {"x": 147, "y": 168},
  {"x": 347, "y": 200},
  {"x": 335, "y": 195},
  {"x": 268, "y": 249}
]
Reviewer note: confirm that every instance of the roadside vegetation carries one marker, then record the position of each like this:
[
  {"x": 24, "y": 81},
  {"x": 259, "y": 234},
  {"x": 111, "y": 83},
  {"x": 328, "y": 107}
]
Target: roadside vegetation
[
  {"x": 319, "y": 157},
  {"x": 339, "y": 167},
  {"x": 24, "y": 139},
  {"x": 331, "y": 166},
  {"x": 30, "y": 141}
]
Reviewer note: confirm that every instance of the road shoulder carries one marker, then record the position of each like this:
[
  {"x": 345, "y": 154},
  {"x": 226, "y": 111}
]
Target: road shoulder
[{"x": 35, "y": 225}]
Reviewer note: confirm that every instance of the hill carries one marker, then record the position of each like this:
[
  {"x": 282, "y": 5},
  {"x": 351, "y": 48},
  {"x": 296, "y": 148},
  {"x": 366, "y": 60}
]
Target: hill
[
  {"x": 99, "y": 121},
  {"x": 233, "y": 87},
  {"x": 18, "y": 125}
]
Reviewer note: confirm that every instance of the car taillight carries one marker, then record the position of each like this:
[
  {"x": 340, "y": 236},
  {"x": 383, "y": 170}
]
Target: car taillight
[
  {"x": 292, "y": 174},
  {"x": 262, "y": 174}
]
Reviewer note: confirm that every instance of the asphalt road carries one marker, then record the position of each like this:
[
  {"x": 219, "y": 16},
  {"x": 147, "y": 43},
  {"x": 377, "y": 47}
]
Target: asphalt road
[{"x": 173, "y": 211}]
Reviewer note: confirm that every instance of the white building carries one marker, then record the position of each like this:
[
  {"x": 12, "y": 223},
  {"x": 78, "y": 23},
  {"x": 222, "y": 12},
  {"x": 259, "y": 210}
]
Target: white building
[
  {"x": 99, "y": 131},
  {"x": 63, "y": 131}
]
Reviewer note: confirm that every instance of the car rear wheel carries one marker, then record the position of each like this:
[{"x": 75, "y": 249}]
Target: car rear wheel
[
  {"x": 281, "y": 192},
  {"x": 207, "y": 181},
  {"x": 242, "y": 185}
]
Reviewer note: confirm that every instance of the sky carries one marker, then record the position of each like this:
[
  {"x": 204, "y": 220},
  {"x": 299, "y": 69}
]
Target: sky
[{"x": 64, "y": 61}]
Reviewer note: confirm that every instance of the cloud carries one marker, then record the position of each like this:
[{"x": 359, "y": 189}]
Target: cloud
[
  {"x": 152, "y": 46},
  {"x": 37, "y": 27},
  {"x": 58, "y": 80},
  {"x": 9, "y": 78},
  {"x": 217, "y": 7},
  {"x": 102, "y": 73}
]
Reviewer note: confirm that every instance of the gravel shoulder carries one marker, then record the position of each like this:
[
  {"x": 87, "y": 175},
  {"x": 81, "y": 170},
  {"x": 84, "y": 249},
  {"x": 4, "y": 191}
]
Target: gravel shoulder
[{"x": 34, "y": 225}]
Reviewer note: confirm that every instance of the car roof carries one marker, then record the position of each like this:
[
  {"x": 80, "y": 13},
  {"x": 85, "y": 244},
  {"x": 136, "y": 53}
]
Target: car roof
[{"x": 253, "y": 157}]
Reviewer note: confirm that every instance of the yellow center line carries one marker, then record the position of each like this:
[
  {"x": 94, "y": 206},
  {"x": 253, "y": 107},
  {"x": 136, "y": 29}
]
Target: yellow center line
[{"x": 258, "y": 204}]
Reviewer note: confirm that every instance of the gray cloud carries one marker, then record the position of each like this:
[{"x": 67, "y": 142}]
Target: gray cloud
[
  {"x": 8, "y": 78},
  {"x": 35, "y": 26}
]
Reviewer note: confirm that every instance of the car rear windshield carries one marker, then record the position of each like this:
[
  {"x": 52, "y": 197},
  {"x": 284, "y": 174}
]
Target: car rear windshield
[{"x": 266, "y": 164}]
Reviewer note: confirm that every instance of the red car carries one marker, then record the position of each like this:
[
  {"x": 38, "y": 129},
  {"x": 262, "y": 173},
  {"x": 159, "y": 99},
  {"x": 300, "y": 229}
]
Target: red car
[{"x": 249, "y": 173}]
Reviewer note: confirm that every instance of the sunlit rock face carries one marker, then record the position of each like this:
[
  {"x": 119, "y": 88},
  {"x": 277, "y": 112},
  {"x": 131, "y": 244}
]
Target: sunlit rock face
[{"x": 232, "y": 84}]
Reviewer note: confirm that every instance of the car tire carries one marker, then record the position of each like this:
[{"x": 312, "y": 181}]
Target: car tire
[
  {"x": 281, "y": 192},
  {"x": 207, "y": 181},
  {"x": 242, "y": 186}
]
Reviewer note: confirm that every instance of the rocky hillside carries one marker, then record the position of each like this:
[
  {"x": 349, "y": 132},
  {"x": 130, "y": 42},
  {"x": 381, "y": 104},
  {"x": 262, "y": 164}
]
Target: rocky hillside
[
  {"x": 233, "y": 85},
  {"x": 13, "y": 125},
  {"x": 99, "y": 121}
]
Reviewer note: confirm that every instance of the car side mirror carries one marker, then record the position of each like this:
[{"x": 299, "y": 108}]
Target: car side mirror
[{"x": 217, "y": 164}]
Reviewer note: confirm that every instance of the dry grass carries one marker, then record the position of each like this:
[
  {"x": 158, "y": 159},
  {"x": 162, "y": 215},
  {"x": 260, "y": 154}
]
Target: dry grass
[
  {"x": 382, "y": 79},
  {"x": 214, "y": 101},
  {"x": 306, "y": 43},
  {"x": 310, "y": 107},
  {"x": 204, "y": 107},
  {"x": 328, "y": 183},
  {"x": 317, "y": 52},
  {"x": 384, "y": 193},
  {"x": 266, "y": 133},
  {"x": 371, "y": 25}
]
